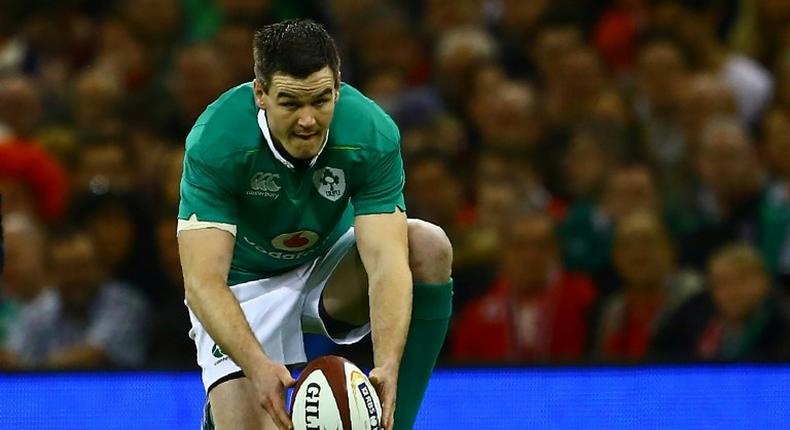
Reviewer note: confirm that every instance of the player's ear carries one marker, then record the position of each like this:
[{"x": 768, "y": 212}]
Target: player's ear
[
  {"x": 337, "y": 86},
  {"x": 257, "y": 89}
]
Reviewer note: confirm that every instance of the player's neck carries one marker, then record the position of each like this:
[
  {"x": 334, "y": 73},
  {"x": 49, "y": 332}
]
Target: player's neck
[{"x": 298, "y": 163}]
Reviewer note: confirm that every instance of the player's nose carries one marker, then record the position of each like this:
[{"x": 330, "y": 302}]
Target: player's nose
[{"x": 306, "y": 120}]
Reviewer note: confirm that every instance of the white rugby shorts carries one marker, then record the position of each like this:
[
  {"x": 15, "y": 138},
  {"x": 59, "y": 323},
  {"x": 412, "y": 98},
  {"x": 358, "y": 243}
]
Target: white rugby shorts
[{"x": 279, "y": 310}]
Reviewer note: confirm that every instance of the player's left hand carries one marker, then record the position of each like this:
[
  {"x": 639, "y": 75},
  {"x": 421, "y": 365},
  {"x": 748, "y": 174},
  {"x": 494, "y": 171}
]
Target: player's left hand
[{"x": 385, "y": 380}]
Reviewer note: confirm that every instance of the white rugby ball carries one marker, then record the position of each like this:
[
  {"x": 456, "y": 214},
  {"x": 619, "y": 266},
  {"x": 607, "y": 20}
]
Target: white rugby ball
[{"x": 333, "y": 394}]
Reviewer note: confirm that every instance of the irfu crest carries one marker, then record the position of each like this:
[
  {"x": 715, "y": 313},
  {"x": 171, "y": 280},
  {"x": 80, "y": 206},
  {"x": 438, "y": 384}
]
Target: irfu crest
[{"x": 330, "y": 183}]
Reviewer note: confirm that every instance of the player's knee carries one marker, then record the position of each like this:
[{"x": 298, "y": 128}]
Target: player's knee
[{"x": 430, "y": 253}]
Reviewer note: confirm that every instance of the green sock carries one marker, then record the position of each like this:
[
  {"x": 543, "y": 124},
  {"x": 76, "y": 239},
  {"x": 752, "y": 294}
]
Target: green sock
[{"x": 429, "y": 320}]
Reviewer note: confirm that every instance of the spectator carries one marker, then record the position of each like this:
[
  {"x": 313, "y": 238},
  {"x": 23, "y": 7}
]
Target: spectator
[
  {"x": 122, "y": 52},
  {"x": 97, "y": 103},
  {"x": 425, "y": 125},
  {"x": 661, "y": 67},
  {"x": 579, "y": 80},
  {"x": 439, "y": 16},
  {"x": 507, "y": 118},
  {"x": 167, "y": 188},
  {"x": 503, "y": 184},
  {"x": 32, "y": 182},
  {"x": 200, "y": 76},
  {"x": 233, "y": 42},
  {"x": 554, "y": 38},
  {"x": 535, "y": 310},
  {"x": 460, "y": 53},
  {"x": 661, "y": 70},
  {"x": 157, "y": 23},
  {"x": 388, "y": 42},
  {"x": 170, "y": 346},
  {"x": 155, "y": 160},
  {"x": 25, "y": 275},
  {"x": 586, "y": 232},
  {"x": 776, "y": 140},
  {"x": 499, "y": 191},
  {"x": 251, "y": 12},
  {"x": 21, "y": 110},
  {"x": 738, "y": 318},
  {"x": 736, "y": 201},
  {"x": 519, "y": 21},
  {"x": 696, "y": 24},
  {"x": 782, "y": 69},
  {"x": 122, "y": 232},
  {"x": 87, "y": 321},
  {"x": 763, "y": 34},
  {"x": 585, "y": 164},
  {"x": 651, "y": 288},
  {"x": 616, "y": 31},
  {"x": 435, "y": 192},
  {"x": 104, "y": 164},
  {"x": 703, "y": 97},
  {"x": 14, "y": 49}
]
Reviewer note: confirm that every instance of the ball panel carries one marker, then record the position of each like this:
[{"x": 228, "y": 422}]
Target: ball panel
[
  {"x": 364, "y": 404},
  {"x": 314, "y": 405},
  {"x": 332, "y": 370}
]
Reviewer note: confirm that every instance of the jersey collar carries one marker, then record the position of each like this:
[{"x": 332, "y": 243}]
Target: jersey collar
[{"x": 264, "y": 126}]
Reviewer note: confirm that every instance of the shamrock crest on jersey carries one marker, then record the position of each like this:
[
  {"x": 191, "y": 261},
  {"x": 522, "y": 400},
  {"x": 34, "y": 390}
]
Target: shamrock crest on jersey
[{"x": 330, "y": 183}]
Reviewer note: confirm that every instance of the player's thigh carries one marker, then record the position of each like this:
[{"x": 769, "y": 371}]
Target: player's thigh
[
  {"x": 233, "y": 407},
  {"x": 345, "y": 294}
]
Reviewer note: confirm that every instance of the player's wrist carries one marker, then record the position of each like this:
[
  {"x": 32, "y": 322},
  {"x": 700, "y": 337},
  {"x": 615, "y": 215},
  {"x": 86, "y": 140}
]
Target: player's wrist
[
  {"x": 389, "y": 366},
  {"x": 259, "y": 366}
]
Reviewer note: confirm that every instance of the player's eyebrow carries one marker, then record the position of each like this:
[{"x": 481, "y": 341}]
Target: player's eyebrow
[
  {"x": 289, "y": 95},
  {"x": 326, "y": 92},
  {"x": 285, "y": 94}
]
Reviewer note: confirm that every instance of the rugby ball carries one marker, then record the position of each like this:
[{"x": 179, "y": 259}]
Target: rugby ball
[{"x": 333, "y": 394}]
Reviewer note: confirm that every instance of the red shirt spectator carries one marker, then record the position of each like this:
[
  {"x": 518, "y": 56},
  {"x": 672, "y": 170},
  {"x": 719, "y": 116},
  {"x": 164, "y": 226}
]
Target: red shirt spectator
[
  {"x": 502, "y": 327},
  {"x": 651, "y": 287},
  {"x": 534, "y": 310},
  {"x": 631, "y": 337},
  {"x": 36, "y": 178}
]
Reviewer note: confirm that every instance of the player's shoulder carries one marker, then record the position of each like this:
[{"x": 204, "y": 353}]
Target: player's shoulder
[
  {"x": 227, "y": 127},
  {"x": 360, "y": 121}
]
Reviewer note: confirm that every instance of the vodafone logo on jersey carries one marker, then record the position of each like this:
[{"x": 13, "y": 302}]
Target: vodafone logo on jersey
[{"x": 296, "y": 241}]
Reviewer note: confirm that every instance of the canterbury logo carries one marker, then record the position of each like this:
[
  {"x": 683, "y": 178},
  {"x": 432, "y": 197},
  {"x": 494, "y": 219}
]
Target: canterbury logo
[{"x": 265, "y": 182}]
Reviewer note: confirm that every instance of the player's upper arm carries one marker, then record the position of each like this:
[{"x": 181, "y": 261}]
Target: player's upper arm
[
  {"x": 205, "y": 255},
  {"x": 382, "y": 190},
  {"x": 208, "y": 184},
  {"x": 382, "y": 239}
]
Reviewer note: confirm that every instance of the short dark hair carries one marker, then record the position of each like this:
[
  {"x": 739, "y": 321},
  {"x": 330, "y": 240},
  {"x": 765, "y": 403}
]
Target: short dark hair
[{"x": 297, "y": 48}]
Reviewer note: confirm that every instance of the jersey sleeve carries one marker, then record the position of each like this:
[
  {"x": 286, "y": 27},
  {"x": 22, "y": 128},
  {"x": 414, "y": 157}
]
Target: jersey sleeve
[
  {"x": 382, "y": 191},
  {"x": 207, "y": 196}
]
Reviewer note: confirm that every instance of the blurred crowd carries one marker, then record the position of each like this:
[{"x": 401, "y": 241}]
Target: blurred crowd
[{"x": 613, "y": 174}]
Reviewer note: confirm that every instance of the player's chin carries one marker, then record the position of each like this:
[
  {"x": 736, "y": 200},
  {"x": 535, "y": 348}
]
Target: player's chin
[{"x": 306, "y": 147}]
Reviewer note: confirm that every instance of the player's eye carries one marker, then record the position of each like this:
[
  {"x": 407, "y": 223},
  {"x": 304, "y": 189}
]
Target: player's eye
[
  {"x": 289, "y": 105},
  {"x": 320, "y": 103}
]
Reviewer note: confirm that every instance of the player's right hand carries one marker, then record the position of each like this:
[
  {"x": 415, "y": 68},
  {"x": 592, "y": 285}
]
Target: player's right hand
[
  {"x": 270, "y": 383},
  {"x": 385, "y": 380}
]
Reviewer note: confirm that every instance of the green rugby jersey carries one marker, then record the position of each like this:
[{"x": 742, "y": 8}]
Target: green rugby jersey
[{"x": 235, "y": 179}]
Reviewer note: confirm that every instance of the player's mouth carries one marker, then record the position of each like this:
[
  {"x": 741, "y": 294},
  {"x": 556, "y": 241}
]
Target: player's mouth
[{"x": 306, "y": 136}]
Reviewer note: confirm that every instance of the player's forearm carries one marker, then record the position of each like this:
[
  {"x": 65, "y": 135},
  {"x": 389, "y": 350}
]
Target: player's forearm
[
  {"x": 390, "y": 312},
  {"x": 220, "y": 313}
]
